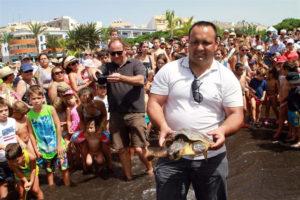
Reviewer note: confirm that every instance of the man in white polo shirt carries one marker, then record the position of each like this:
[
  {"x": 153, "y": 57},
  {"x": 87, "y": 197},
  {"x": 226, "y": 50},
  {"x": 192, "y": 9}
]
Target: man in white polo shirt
[{"x": 196, "y": 92}]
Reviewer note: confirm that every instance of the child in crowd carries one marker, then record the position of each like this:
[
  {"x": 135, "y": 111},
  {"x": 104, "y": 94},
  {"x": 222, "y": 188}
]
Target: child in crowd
[
  {"x": 45, "y": 126},
  {"x": 19, "y": 114},
  {"x": 25, "y": 169},
  {"x": 93, "y": 143},
  {"x": 271, "y": 95},
  {"x": 73, "y": 124},
  {"x": 294, "y": 106},
  {"x": 8, "y": 128},
  {"x": 283, "y": 94},
  {"x": 239, "y": 73},
  {"x": 257, "y": 89},
  {"x": 88, "y": 109},
  {"x": 103, "y": 56}
]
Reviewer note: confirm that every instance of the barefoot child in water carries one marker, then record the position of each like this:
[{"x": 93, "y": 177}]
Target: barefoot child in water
[
  {"x": 271, "y": 95},
  {"x": 257, "y": 89},
  {"x": 93, "y": 142},
  {"x": 88, "y": 109},
  {"x": 19, "y": 114}
]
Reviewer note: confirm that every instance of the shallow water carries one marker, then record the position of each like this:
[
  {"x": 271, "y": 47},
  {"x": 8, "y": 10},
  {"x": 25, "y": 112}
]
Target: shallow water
[{"x": 259, "y": 168}]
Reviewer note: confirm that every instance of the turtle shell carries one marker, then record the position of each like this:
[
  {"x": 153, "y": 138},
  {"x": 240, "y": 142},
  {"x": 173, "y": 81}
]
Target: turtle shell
[{"x": 190, "y": 135}]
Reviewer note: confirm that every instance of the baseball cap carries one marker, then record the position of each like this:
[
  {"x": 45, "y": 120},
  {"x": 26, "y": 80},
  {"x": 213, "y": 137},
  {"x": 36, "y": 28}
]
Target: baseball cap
[
  {"x": 226, "y": 31},
  {"x": 290, "y": 41},
  {"x": 293, "y": 77},
  {"x": 69, "y": 92},
  {"x": 25, "y": 67},
  {"x": 25, "y": 56},
  {"x": 280, "y": 59}
]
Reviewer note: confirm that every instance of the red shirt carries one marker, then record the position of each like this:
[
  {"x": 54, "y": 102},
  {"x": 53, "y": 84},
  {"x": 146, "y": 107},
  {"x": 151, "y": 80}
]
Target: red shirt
[{"x": 291, "y": 55}]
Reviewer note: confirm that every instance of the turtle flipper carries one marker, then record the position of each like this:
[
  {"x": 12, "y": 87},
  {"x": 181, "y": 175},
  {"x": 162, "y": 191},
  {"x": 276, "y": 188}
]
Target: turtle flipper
[{"x": 160, "y": 154}]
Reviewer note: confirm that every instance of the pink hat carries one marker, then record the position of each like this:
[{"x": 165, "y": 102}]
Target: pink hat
[
  {"x": 69, "y": 92},
  {"x": 280, "y": 59}
]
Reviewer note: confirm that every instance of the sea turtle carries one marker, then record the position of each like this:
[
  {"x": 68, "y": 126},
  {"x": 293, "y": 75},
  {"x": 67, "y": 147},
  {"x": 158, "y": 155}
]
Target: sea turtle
[{"x": 184, "y": 142}]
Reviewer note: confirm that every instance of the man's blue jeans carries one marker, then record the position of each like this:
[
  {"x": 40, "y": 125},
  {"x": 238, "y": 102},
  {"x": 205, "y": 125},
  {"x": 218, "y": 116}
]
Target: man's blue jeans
[{"x": 173, "y": 178}]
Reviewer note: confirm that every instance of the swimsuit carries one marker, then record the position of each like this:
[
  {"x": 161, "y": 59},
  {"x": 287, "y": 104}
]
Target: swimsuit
[{"x": 26, "y": 169}]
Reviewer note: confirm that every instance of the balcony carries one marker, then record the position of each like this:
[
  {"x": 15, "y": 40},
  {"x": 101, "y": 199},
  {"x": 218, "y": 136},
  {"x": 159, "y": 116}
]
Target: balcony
[
  {"x": 25, "y": 41},
  {"x": 23, "y": 51}
]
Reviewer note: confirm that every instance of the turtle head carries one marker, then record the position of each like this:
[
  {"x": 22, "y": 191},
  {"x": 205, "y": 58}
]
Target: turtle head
[{"x": 174, "y": 150}]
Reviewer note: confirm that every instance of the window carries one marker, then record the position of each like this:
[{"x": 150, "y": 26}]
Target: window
[{"x": 41, "y": 38}]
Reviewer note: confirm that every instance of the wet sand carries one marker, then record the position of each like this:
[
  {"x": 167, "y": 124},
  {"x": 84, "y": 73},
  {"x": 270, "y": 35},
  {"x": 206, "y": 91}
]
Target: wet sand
[{"x": 260, "y": 168}]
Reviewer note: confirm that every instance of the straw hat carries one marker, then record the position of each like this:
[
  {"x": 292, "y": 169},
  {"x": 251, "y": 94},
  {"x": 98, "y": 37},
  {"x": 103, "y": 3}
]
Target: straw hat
[
  {"x": 5, "y": 71},
  {"x": 69, "y": 59},
  {"x": 55, "y": 61}
]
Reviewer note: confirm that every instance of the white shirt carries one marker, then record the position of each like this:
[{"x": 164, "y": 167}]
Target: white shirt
[
  {"x": 219, "y": 88},
  {"x": 7, "y": 135}
]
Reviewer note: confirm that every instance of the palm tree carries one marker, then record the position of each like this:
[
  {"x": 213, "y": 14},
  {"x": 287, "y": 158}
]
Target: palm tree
[
  {"x": 172, "y": 21},
  {"x": 36, "y": 29},
  {"x": 105, "y": 35},
  {"x": 6, "y": 38},
  {"x": 82, "y": 37},
  {"x": 186, "y": 27},
  {"x": 52, "y": 43}
]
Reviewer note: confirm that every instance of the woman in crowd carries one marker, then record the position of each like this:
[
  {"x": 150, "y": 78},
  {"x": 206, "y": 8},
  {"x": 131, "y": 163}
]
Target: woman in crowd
[
  {"x": 58, "y": 86},
  {"x": 145, "y": 58},
  {"x": 74, "y": 73}
]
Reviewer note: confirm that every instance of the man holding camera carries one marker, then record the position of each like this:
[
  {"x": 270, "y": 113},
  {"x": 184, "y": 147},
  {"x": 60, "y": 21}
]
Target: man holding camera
[{"x": 125, "y": 92}]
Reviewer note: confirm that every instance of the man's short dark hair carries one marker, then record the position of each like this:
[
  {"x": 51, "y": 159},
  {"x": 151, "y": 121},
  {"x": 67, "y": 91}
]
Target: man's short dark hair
[
  {"x": 39, "y": 57},
  {"x": 117, "y": 39},
  {"x": 204, "y": 23},
  {"x": 155, "y": 38},
  {"x": 102, "y": 53}
]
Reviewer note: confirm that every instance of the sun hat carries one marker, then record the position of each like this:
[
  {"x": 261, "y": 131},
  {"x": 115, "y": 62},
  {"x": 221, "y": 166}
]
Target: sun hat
[
  {"x": 55, "y": 60},
  {"x": 6, "y": 71},
  {"x": 62, "y": 87},
  {"x": 69, "y": 59}
]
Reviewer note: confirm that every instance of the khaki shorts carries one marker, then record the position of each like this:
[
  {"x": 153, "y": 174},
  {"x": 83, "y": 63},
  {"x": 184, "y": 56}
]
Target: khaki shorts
[{"x": 128, "y": 129}]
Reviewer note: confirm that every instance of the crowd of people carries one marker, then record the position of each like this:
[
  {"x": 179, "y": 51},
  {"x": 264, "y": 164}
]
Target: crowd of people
[{"x": 73, "y": 112}]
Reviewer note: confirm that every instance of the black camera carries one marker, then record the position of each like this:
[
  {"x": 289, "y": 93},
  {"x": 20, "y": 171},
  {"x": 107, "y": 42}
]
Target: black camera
[{"x": 101, "y": 78}]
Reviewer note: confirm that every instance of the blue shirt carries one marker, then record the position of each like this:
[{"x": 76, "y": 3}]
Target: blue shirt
[
  {"x": 258, "y": 86},
  {"x": 277, "y": 48}
]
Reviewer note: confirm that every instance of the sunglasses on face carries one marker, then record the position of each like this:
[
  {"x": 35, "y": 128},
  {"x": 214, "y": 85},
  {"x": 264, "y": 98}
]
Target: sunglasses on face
[
  {"x": 198, "y": 97},
  {"x": 58, "y": 72},
  {"x": 30, "y": 71},
  {"x": 87, "y": 54},
  {"x": 73, "y": 63},
  {"x": 113, "y": 53},
  {"x": 243, "y": 50}
]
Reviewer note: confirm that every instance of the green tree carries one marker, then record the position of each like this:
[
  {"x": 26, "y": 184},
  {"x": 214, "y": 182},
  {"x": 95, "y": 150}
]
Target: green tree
[
  {"x": 104, "y": 38},
  {"x": 82, "y": 37},
  {"x": 36, "y": 29},
  {"x": 52, "y": 43},
  {"x": 6, "y": 38},
  {"x": 288, "y": 24},
  {"x": 172, "y": 21},
  {"x": 186, "y": 27}
]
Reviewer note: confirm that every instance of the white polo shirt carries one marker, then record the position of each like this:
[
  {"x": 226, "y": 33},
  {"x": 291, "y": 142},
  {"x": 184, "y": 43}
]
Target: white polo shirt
[{"x": 219, "y": 88}]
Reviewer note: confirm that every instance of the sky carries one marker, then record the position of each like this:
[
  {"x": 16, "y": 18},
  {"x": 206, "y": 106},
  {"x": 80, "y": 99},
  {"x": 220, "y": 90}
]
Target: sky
[{"x": 265, "y": 12}]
